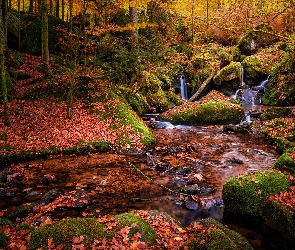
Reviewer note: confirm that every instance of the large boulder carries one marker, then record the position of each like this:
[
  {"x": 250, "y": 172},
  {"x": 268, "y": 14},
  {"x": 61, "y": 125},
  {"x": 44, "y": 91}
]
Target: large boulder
[
  {"x": 214, "y": 108},
  {"x": 229, "y": 77},
  {"x": 261, "y": 36},
  {"x": 244, "y": 195},
  {"x": 260, "y": 65},
  {"x": 218, "y": 237},
  {"x": 278, "y": 213},
  {"x": 281, "y": 88}
]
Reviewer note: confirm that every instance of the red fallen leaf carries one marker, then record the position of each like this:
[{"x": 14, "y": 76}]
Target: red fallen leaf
[
  {"x": 201, "y": 242},
  {"x": 241, "y": 183},
  {"x": 78, "y": 240},
  {"x": 259, "y": 192}
]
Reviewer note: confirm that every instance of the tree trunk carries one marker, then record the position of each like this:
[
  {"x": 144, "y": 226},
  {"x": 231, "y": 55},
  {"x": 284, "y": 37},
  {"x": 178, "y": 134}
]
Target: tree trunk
[
  {"x": 44, "y": 38},
  {"x": 2, "y": 68},
  {"x": 4, "y": 13},
  {"x": 31, "y": 6},
  {"x": 57, "y": 9},
  {"x": 71, "y": 16},
  {"x": 63, "y": 10},
  {"x": 133, "y": 18}
]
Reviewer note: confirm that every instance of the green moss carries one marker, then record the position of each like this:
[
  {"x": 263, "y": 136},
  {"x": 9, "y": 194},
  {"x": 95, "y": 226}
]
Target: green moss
[
  {"x": 229, "y": 73},
  {"x": 281, "y": 90},
  {"x": 4, "y": 222},
  {"x": 220, "y": 112},
  {"x": 285, "y": 163},
  {"x": 276, "y": 112},
  {"x": 244, "y": 195},
  {"x": 20, "y": 212},
  {"x": 279, "y": 218},
  {"x": 24, "y": 227},
  {"x": 63, "y": 231},
  {"x": 219, "y": 237},
  {"x": 281, "y": 131},
  {"x": 3, "y": 239},
  {"x": 127, "y": 219},
  {"x": 136, "y": 100}
]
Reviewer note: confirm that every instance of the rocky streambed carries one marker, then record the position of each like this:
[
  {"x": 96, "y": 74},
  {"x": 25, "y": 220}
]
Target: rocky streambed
[{"x": 182, "y": 175}]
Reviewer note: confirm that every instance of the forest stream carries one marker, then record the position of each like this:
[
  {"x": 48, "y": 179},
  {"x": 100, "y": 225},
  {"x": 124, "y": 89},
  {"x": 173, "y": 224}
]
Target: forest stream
[{"x": 193, "y": 159}]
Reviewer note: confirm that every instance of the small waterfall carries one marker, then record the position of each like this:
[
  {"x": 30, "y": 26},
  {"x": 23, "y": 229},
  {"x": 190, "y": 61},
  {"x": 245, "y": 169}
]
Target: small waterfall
[
  {"x": 252, "y": 96},
  {"x": 243, "y": 76},
  {"x": 183, "y": 88},
  {"x": 262, "y": 85}
]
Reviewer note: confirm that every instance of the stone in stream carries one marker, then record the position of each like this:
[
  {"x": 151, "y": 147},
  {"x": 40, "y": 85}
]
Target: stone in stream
[
  {"x": 6, "y": 193},
  {"x": 48, "y": 178}
]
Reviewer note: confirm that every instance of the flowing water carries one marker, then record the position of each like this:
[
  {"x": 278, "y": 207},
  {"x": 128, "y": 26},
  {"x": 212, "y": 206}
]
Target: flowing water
[{"x": 203, "y": 156}]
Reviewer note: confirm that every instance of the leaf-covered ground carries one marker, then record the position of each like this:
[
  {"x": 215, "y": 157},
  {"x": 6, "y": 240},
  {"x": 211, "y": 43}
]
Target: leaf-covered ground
[{"x": 39, "y": 124}]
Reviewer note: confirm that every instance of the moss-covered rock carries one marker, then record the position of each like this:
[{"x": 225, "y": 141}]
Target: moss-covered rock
[
  {"x": 281, "y": 131},
  {"x": 278, "y": 112},
  {"x": 218, "y": 237},
  {"x": 157, "y": 99},
  {"x": 214, "y": 108},
  {"x": 229, "y": 77},
  {"x": 136, "y": 100},
  {"x": 137, "y": 225},
  {"x": 260, "y": 65},
  {"x": 281, "y": 89},
  {"x": 285, "y": 163},
  {"x": 63, "y": 231},
  {"x": 260, "y": 36},
  {"x": 280, "y": 219},
  {"x": 243, "y": 196}
]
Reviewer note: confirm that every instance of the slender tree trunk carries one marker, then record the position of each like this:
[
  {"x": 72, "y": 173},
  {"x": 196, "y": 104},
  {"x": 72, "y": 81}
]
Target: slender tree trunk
[
  {"x": 57, "y": 9},
  {"x": 133, "y": 18},
  {"x": 44, "y": 37},
  {"x": 2, "y": 67},
  {"x": 31, "y": 6},
  {"x": 63, "y": 9},
  {"x": 4, "y": 13},
  {"x": 50, "y": 6},
  {"x": 71, "y": 16}
]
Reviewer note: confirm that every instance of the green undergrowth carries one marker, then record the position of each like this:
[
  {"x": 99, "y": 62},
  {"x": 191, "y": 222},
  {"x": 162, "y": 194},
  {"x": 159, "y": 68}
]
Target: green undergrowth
[{"x": 243, "y": 196}]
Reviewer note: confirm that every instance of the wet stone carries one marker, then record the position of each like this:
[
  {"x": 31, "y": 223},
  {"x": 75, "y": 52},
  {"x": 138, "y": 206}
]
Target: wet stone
[
  {"x": 191, "y": 204},
  {"x": 198, "y": 190},
  {"x": 49, "y": 197},
  {"x": 163, "y": 166},
  {"x": 48, "y": 178},
  {"x": 34, "y": 195},
  {"x": 6, "y": 193}
]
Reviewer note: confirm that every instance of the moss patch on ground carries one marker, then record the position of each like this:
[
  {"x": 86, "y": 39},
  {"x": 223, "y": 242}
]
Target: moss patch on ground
[
  {"x": 285, "y": 163},
  {"x": 243, "y": 195}
]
